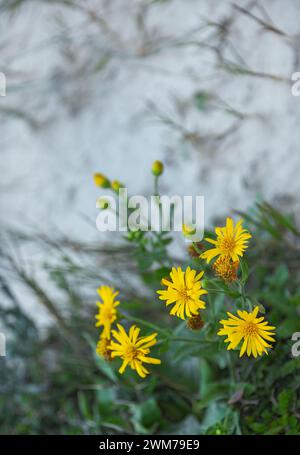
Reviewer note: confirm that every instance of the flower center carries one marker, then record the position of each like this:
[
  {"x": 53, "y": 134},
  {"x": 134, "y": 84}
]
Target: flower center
[
  {"x": 107, "y": 314},
  {"x": 250, "y": 329},
  {"x": 228, "y": 244},
  {"x": 131, "y": 353},
  {"x": 183, "y": 294}
]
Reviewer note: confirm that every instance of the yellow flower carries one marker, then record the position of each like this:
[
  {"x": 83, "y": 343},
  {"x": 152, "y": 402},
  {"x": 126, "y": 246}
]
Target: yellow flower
[
  {"x": 103, "y": 348},
  {"x": 225, "y": 268},
  {"x": 107, "y": 309},
  {"x": 252, "y": 330},
  {"x": 184, "y": 290},
  {"x": 101, "y": 180},
  {"x": 157, "y": 168},
  {"x": 132, "y": 349},
  {"x": 231, "y": 241}
]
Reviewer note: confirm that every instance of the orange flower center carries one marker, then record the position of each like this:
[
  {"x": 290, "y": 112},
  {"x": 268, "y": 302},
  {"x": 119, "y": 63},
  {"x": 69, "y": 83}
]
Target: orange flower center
[
  {"x": 131, "y": 353},
  {"x": 107, "y": 314},
  {"x": 183, "y": 294},
  {"x": 228, "y": 244},
  {"x": 249, "y": 329}
]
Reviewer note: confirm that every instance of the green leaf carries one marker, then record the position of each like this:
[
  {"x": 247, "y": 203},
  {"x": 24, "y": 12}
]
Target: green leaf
[
  {"x": 146, "y": 415},
  {"x": 286, "y": 399},
  {"x": 84, "y": 406}
]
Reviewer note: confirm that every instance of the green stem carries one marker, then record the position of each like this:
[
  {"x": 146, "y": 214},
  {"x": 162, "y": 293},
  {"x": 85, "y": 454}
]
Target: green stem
[
  {"x": 242, "y": 293},
  {"x": 215, "y": 290},
  {"x": 196, "y": 248},
  {"x": 145, "y": 323},
  {"x": 156, "y": 193},
  {"x": 192, "y": 340}
]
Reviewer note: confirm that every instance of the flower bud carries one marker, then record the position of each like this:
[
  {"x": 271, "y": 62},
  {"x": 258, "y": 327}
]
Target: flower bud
[
  {"x": 101, "y": 181},
  {"x": 157, "y": 168},
  {"x": 195, "y": 322},
  {"x": 226, "y": 268},
  {"x": 116, "y": 185}
]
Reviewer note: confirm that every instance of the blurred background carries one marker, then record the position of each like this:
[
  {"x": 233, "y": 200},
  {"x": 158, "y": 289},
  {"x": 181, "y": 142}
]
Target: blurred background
[{"x": 111, "y": 86}]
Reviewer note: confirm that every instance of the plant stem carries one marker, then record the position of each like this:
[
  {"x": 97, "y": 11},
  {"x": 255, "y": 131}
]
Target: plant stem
[
  {"x": 192, "y": 340},
  {"x": 196, "y": 248},
  {"x": 156, "y": 193},
  {"x": 145, "y": 323}
]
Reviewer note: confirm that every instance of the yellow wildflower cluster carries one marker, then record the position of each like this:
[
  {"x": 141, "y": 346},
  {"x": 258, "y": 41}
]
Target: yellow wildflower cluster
[
  {"x": 184, "y": 290},
  {"x": 229, "y": 246},
  {"x": 132, "y": 348},
  {"x": 231, "y": 242},
  {"x": 183, "y": 293}
]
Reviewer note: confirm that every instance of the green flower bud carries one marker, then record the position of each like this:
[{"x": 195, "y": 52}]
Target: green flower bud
[
  {"x": 116, "y": 185},
  {"x": 157, "y": 168}
]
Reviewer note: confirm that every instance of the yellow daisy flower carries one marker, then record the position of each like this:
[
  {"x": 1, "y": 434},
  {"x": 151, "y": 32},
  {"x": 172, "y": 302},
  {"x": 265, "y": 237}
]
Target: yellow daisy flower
[
  {"x": 231, "y": 242},
  {"x": 252, "y": 330},
  {"x": 184, "y": 290},
  {"x": 107, "y": 309},
  {"x": 133, "y": 349}
]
